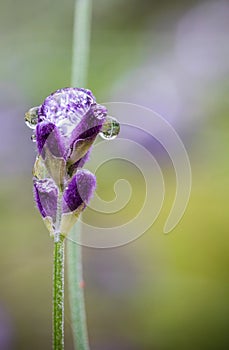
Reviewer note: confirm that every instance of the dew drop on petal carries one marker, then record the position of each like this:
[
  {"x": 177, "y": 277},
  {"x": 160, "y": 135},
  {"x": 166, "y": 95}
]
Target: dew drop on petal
[
  {"x": 33, "y": 138},
  {"x": 31, "y": 117},
  {"x": 110, "y": 129}
]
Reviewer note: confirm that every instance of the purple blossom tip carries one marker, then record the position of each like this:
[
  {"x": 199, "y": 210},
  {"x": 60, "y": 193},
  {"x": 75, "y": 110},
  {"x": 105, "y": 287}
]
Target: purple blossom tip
[
  {"x": 45, "y": 196},
  {"x": 65, "y": 108},
  {"x": 68, "y": 122},
  {"x": 79, "y": 191}
]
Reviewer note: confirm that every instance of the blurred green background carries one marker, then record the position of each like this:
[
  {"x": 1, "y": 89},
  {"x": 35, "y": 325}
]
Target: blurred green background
[{"x": 160, "y": 292}]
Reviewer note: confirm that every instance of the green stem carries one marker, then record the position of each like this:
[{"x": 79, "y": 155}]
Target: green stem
[
  {"x": 76, "y": 295},
  {"x": 80, "y": 59},
  {"x": 58, "y": 281},
  {"x": 81, "y": 42},
  {"x": 58, "y": 295}
]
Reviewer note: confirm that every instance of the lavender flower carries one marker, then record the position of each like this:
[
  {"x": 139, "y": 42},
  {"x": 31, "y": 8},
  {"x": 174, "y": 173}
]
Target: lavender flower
[{"x": 68, "y": 122}]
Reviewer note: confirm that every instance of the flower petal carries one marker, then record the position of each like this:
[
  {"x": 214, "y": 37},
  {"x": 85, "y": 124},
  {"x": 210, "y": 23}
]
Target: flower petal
[
  {"x": 48, "y": 137},
  {"x": 45, "y": 195},
  {"x": 90, "y": 124},
  {"x": 80, "y": 148},
  {"x": 75, "y": 198},
  {"x": 79, "y": 191},
  {"x": 50, "y": 146}
]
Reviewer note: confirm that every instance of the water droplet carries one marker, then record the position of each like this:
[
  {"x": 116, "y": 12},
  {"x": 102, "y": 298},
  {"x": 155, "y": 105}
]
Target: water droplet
[
  {"x": 33, "y": 138},
  {"x": 39, "y": 170},
  {"x": 110, "y": 129},
  {"x": 31, "y": 117}
]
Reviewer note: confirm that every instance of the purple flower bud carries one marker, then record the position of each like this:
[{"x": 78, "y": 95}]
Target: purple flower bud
[
  {"x": 79, "y": 191},
  {"x": 45, "y": 195},
  {"x": 48, "y": 138},
  {"x": 68, "y": 122}
]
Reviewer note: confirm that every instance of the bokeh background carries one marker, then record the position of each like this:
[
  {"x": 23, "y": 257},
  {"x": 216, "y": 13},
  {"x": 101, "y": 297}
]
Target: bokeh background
[{"x": 160, "y": 292}]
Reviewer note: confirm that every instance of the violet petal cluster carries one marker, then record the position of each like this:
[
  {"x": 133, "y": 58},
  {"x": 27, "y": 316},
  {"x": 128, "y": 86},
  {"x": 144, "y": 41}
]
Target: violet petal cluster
[{"x": 68, "y": 122}]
